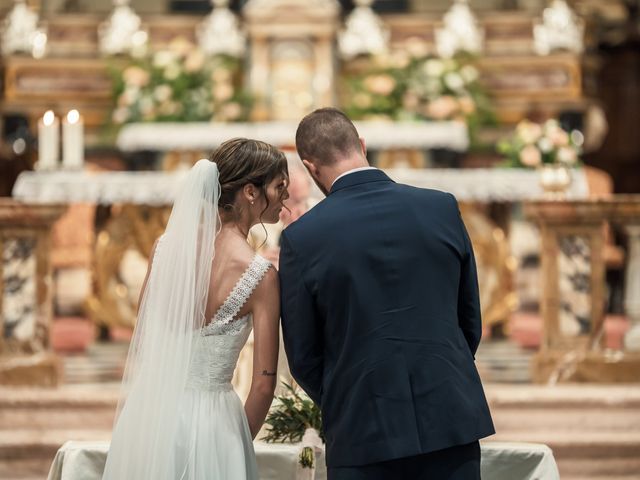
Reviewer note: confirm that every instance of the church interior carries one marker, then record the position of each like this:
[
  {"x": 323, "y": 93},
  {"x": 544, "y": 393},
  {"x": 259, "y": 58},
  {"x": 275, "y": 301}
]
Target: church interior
[{"x": 525, "y": 110}]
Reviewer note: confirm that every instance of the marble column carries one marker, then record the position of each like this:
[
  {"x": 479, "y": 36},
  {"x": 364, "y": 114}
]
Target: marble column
[
  {"x": 25, "y": 294},
  {"x": 632, "y": 289},
  {"x": 567, "y": 356}
]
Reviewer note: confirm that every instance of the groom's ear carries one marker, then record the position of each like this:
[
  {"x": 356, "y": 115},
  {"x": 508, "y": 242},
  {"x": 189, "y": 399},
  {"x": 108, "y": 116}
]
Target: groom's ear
[
  {"x": 313, "y": 170},
  {"x": 364, "y": 147}
]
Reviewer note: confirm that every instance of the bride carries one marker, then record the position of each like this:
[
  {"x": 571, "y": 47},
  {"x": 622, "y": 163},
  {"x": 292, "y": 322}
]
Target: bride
[{"x": 179, "y": 417}]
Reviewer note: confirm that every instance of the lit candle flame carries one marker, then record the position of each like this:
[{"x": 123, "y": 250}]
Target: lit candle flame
[
  {"x": 73, "y": 116},
  {"x": 48, "y": 117}
]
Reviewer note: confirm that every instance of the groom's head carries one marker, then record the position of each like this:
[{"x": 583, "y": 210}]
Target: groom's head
[{"x": 328, "y": 144}]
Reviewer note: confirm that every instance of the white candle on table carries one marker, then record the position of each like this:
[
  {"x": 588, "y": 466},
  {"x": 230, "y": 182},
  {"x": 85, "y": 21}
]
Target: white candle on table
[
  {"x": 48, "y": 141},
  {"x": 72, "y": 141}
]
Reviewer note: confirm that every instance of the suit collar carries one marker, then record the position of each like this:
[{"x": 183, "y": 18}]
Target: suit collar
[{"x": 357, "y": 178}]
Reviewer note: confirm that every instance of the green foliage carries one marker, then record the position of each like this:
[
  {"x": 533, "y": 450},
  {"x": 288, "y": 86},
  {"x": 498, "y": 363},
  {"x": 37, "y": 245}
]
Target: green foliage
[
  {"x": 179, "y": 84},
  {"x": 307, "y": 457},
  {"x": 419, "y": 88},
  {"x": 290, "y": 416},
  {"x": 532, "y": 144}
]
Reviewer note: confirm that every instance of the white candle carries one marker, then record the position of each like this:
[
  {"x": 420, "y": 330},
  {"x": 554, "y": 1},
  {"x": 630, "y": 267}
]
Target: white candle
[
  {"x": 72, "y": 141},
  {"x": 48, "y": 141}
]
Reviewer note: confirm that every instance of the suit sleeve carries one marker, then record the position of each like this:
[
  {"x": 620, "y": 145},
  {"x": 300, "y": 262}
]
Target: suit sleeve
[
  {"x": 469, "y": 316},
  {"x": 301, "y": 329}
]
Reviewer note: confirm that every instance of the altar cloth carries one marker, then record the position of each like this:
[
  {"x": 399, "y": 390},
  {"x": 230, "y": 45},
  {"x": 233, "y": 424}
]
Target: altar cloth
[
  {"x": 159, "y": 188},
  {"x": 379, "y": 135},
  {"x": 500, "y": 461}
]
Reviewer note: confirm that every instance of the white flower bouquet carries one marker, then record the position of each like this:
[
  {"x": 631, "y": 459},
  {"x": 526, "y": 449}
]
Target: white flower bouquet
[
  {"x": 417, "y": 87},
  {"x": 443, "y": 89},
  {"x": 532, "y": 145},
  {"x": 179, "y": 84}
]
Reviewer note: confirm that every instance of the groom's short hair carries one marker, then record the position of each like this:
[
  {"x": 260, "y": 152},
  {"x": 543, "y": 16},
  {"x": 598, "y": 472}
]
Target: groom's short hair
[{"x": 326, "y": 135}]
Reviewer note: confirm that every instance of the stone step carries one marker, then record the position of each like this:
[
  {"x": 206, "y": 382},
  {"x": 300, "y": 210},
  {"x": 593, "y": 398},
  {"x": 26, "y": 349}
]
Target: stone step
[
  {"x": 91, "y": 407},
  {"x": 569, "y": 420},
  {"x": 594, "y": 431},
  {"x": 588, "y": 457},
  {"x": 27, "y": 454},
  {"x": 521, "y": 408},
  {"x": 502, "y": 361},
  {"x": 584, "y": 455}
]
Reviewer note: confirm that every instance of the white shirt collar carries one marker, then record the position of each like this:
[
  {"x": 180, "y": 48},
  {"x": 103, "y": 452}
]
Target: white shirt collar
[{"x": 359, "y": 169}]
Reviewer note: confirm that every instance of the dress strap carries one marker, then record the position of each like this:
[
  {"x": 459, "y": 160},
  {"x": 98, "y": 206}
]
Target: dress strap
[{"x": 243, "y": 289}]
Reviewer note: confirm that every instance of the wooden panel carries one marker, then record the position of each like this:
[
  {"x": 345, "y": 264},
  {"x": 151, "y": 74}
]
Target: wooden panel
[
  {"x": 550, "y": 77},
  {"x": 55, "y": 78},
  {"x": 33, "y": 86},
  {"x": 505, "y": 32}
]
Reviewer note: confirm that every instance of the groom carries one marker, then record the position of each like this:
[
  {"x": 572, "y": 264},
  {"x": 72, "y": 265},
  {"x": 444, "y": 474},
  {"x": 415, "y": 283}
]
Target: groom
[{"x": 381, "y": 316}]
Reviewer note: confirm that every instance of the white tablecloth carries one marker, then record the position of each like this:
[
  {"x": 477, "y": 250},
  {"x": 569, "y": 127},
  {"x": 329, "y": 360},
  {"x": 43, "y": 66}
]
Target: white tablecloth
[
  {"x": 500, "y": 461},
  {"x": 206, "y": 136},
  {"x": 159, "y": 188}
]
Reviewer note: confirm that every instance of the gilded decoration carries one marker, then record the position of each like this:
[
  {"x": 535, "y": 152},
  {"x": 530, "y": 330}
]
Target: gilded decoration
[
  {"x": 128, "y": 236},
  {"x": 495, "y": 266}
]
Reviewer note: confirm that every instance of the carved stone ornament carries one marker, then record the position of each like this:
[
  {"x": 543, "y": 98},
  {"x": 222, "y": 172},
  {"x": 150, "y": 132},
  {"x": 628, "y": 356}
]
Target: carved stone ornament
[
  {"x": 460, "y": 33},
  {"x": 122, "y": 32},
  {"x": 253, "y": 6},
  {"x": 220, "y": 33},
  {"x": 20, "y": 32},
  {"x": 364, "y": 32},
  {"x": 560, "y": 29}
]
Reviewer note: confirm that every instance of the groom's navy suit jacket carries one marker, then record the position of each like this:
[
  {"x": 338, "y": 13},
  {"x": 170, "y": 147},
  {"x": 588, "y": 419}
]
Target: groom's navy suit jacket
[{"x": 381, "y": 320}]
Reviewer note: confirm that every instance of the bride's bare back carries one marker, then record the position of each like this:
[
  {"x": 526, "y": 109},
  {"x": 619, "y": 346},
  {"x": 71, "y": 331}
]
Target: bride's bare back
[{"x": 232, "y": 258}]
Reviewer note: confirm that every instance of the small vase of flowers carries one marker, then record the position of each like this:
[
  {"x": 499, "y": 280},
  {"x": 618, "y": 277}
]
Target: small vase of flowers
[{"x": 546, "y": 147}]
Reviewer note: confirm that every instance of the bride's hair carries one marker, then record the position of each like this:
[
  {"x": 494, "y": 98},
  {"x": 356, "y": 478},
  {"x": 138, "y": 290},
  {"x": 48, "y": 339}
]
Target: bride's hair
[{"x": 243, "y": 161}]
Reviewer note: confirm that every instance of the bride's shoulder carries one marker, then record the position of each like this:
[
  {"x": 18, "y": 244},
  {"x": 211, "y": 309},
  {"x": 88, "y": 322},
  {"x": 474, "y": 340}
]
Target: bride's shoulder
[{"x": 268, "y": 283}]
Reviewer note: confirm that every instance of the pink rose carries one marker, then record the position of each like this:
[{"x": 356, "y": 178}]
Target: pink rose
[
  {"x": 380, "y": 84},
  {"x": 528, "y": 131},
  {"x": 559, "y": 137},
  {"x": 567, "y": 155},
  {"x": 442, "y": 107},
  {"x": 530, "y": 156}
]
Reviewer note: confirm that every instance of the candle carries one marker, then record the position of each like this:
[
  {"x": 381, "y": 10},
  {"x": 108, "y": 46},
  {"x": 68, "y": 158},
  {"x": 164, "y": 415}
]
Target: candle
[
  {"x": 72, "y": 141},
  {"x": 48, "y": 141}
]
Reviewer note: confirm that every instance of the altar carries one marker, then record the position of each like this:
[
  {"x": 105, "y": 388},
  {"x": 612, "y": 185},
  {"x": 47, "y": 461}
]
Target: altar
[
  {"x": 500, "y": 461},
  {"x": 143, "y": 199},
  {"x": 379, "y": 135},
  {"x": 436, "y": 89},
  {"x": 159, "y": 188}
]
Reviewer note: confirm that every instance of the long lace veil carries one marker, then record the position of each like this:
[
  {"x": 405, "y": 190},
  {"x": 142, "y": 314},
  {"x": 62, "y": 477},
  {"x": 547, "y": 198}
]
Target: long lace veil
[{"x": 171, "y": 313}]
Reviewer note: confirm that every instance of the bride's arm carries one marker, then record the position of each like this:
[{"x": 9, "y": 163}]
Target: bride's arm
[{"x": 266, "y": 331}]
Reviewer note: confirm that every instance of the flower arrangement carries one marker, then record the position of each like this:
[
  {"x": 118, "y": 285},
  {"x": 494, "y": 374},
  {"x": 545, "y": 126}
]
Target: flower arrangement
[
  {"x": 289, "y": 420},
  {"x": 291, "y": 415},
  {"x": 373, "y": 94},
  {"x": 533, "y": 144},
  {"x": 418, "y": 88},
  {"x": 444, "y": 89},
  {"x": 179, "y": 84}
]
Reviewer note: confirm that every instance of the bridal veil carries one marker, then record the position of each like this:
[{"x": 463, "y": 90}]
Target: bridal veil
[{"x": 170, "y": 316}]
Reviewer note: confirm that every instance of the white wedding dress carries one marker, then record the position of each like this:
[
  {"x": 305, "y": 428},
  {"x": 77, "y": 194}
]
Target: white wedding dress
[
  {"x": 178, "y": 417},
  {"x": 213, "y": 434},
  {"x": 213, "y": 440}
]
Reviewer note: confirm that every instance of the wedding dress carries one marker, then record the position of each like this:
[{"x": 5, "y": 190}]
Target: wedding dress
[
  {"x": 213, "y": 435},
  {"x": 179, "y": 417}
]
